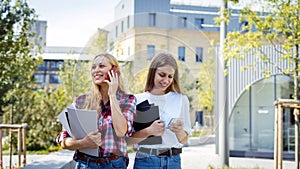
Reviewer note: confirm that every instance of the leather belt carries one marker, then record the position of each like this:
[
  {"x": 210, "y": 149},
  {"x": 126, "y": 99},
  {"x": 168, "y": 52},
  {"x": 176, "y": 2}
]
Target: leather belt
[
  {"x": 84, "y": 157},
  {"x": 161, "y": 152}
]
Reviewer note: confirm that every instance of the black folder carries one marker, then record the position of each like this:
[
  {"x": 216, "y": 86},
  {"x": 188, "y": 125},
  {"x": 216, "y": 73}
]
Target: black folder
[{"x": 146, "y": 114}]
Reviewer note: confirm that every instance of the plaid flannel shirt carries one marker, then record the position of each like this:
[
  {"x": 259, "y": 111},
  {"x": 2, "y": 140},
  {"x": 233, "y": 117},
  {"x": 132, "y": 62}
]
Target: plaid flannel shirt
[{"x": 110, "y": 142}]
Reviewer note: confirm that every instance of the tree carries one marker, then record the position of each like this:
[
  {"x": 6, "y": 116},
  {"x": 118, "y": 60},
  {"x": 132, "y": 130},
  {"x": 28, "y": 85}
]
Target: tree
[
  {"x": 205, "y": 88},
  {"x": 137, "y": 85},
  {"x": 41, "y": 117},
  {"x": 187, "y": 84},
  {"x": 279, "y": 26},
  {"x": 97, "y": 43},
  {"x": 75, "y": 79},
  {"x": 17, "y": 60}
]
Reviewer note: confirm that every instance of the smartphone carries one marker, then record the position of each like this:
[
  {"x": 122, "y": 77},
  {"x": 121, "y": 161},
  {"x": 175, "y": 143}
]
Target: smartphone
[
  {"x": 112, "y": 70},
  {"x": 174, "y": 120}
]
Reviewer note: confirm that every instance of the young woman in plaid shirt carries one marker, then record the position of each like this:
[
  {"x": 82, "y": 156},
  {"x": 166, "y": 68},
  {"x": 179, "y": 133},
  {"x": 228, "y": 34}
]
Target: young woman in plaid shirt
[{"x": 116, "y": 111}]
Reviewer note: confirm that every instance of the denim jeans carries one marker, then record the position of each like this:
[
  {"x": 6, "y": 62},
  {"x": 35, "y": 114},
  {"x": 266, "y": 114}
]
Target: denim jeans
[
  {"x": 119, "y": 163},
  {"x": 145, "y": 161}
]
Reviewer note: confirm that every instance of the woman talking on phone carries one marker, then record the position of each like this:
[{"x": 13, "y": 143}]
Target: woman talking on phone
[
  {"x": 173, "y": 126},
  {"x": 115, "y": 118}
]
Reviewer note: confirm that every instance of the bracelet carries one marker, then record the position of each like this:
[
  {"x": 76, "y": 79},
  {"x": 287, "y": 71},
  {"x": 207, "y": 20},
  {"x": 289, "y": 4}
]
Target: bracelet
[{"x": 184, "y": 137}]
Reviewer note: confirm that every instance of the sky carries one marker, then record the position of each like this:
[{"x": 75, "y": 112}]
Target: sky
[{"x": 73, "y": 22}]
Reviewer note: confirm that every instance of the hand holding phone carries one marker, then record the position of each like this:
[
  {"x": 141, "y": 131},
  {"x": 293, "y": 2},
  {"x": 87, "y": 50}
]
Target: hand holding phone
[
  {"x": 112, "y": 70},
  {"x": 174, "y": 120}
]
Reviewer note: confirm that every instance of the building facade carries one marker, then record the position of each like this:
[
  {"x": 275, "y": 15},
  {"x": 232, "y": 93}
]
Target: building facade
[
  {"x": 47, "y": 75},
  {"x": 144, "y": 28}
]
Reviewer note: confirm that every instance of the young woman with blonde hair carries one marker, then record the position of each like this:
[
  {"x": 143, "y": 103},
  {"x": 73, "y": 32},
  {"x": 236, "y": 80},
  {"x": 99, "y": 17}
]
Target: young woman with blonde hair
[{"x": 115, "y": 118}]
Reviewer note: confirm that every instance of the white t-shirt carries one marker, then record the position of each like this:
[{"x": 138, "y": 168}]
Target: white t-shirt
[{"x": 170, "y": 105}]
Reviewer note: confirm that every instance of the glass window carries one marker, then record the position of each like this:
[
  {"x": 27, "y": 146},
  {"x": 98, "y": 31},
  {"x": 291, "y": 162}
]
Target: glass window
[
  {"x": 251, "y": 123},
  {"x": 152, "y": 19},
  {"x": 128, "y": 21},
  {"x": 199, "y": 118},
  {"x": 262, "y": 99},
  {"x": 199, "y": 54},
  {"x": 181, "y": 53},
  {"x": 116, "y": 31},
  {"x": 56, "y": 64},
  {"x": 284, "y": 89},
  {"x": 244, "y": 27},
  {"x": 122, "y": 26},
  {"x": 54, "y": 79},
  {"x": 182, "y": 22},
  {"x": 198, "y": 23},
  {"x": 39, "y": 78},
  {"x": 43, "y": 65},
  {"x": 239, "y": 127},
  {"x": 150, "y": 51}
]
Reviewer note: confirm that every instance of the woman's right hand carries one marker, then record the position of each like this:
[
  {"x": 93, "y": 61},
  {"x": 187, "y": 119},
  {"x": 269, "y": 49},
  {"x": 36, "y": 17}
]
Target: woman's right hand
[
  {"x": 92, "y": 139},
  {"x": 157, "y": 128}
]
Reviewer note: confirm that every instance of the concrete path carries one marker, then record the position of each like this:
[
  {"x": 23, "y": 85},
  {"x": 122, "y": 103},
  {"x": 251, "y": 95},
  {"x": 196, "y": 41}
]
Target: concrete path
[
  {"x": 193, "y": 157},
  {"x": 51, "y": 161}
]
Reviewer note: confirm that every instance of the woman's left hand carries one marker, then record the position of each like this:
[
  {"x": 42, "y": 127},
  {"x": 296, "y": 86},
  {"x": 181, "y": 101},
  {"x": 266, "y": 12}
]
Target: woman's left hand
[
  {"x": 176, "y": 127},
  {"x": 113, "y": 83}
]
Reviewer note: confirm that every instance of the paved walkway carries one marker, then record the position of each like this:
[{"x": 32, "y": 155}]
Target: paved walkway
[
  {"x": 51, "y": 161},
  {"x": 193, "y": 157}
]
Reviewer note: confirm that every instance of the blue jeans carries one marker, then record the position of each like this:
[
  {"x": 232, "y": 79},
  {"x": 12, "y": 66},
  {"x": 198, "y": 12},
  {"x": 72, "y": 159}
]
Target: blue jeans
[
  {"x": 119, "y": 163},
  {"x": 145, "y": 161}
]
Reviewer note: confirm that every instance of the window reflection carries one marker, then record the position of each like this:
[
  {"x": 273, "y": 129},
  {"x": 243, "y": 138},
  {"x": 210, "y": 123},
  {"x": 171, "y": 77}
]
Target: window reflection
[{"x": 252, "y": 118}]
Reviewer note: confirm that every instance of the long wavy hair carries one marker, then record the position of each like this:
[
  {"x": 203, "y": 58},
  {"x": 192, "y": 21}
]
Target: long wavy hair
[
  {"x": 92, "y": 101},
  {"x": 160, "y": 60}
]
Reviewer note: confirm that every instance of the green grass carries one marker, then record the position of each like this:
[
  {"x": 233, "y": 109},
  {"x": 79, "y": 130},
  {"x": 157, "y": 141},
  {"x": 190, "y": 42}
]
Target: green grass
[
  {"x": 49, "y": 150},
  {"x": 40, "y": 151},
  {"x": 226, "y": 167},
  {"x": 202, "y": 132}
]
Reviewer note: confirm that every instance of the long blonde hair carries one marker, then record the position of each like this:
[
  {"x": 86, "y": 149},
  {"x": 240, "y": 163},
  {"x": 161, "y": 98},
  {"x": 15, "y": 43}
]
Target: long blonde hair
[{"x": 92, "y": 101}]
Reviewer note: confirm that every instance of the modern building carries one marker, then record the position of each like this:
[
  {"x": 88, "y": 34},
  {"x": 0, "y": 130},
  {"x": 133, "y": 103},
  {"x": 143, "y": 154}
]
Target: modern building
[
  {"x": 144, "y": 28},
  {"x": 53, "y": 59}
]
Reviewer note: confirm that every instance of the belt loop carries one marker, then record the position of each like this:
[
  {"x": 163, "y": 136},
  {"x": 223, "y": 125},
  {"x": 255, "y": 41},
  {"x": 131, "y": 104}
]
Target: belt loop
[
  {"x": 150, "y": 151},
  {"x": 87, "y": 161},
  {"x": 171, "y": 152}
]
